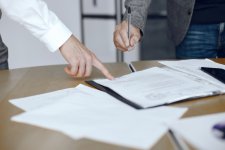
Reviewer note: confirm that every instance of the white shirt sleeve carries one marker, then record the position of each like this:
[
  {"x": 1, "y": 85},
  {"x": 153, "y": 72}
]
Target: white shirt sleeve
[{"x": 35, "y": 16}]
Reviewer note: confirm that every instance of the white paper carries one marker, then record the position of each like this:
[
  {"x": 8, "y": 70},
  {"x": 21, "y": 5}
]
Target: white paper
[
  {"x": 125, "y": 127},
  {"x": 156, "y": 86},
  {"x": 198, "y": 131},
  {"x": 38, "y": 101},
  {"x": 89, "y": 113},
  {"x": 193, "y": 67}
]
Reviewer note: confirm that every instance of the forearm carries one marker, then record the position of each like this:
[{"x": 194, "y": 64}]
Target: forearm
[
  {"x": 35, "y": 16},
  {"x": 139, "y": 12}
]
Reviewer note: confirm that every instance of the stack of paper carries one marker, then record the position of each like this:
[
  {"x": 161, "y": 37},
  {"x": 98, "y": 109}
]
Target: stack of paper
[
  {"x": 83, "y": 112},
  {"x": 159, "y": 86},
  {"x": 192, "y": 67},
  {"x": 198, "y": 131}
]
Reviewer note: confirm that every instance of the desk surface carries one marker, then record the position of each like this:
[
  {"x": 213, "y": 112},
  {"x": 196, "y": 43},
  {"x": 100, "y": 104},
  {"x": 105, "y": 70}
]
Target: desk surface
[{"x": 30, "y": 81}]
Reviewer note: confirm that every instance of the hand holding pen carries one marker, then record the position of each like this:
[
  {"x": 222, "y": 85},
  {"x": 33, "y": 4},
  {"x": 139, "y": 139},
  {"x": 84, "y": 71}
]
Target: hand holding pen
[{"x": 126, "y": 36}]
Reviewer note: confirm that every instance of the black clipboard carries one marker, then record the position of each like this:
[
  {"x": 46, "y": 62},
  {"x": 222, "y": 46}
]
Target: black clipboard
[
  {"x": 217, "y": 73},
  {"x": 114, "y": 94}
]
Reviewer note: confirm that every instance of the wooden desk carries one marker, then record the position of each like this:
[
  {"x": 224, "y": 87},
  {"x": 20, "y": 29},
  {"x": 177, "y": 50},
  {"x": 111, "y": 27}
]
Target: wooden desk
[{"x": 30, "y": 81}]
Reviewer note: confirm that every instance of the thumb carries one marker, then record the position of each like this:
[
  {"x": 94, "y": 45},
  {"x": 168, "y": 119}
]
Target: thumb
[{"x": 133, "y": 40}]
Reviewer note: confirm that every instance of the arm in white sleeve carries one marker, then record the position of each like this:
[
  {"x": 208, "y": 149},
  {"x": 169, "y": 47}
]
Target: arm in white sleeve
[{"x": 35, "y": 16}]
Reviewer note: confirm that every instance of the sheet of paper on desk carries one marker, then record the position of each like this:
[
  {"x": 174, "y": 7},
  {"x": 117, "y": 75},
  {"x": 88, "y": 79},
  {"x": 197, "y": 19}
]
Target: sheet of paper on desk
[
  {"x": 157, "y": 86},
  {"x": 193, "y": 66},
  {"x": 95, "y": 115},
  {"x": 198, "y": 131},
  {"x": 38, "y": 101}
]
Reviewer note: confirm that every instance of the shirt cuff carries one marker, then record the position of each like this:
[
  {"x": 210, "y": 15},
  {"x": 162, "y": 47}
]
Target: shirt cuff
[{"x": 56, "y": 36}]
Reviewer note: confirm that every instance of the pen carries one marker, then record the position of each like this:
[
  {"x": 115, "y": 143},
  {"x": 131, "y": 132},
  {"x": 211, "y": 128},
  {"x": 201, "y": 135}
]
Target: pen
[
  {"x": 129, "y": 21},
  {"x": 219, "y": 130}
]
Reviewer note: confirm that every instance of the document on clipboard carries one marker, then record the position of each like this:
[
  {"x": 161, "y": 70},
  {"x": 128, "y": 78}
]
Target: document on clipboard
[
  {"x": 193, "y": 67},
  {"x": 155, "y": 87}
]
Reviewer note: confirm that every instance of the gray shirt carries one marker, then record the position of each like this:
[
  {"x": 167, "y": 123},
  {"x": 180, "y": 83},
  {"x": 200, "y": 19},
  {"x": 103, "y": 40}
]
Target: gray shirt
[
  {"x": 179, "y": 16},
  {"x": 3, "y": 53}
]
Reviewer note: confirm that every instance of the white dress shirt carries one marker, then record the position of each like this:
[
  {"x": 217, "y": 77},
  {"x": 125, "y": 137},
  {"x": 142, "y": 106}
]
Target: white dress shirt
[{"x": 35, "y": 16}]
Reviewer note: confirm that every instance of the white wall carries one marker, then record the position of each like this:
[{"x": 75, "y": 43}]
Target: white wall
[
  {"x": 99, "y": 32},
  {"x": 25, "y": 50}
]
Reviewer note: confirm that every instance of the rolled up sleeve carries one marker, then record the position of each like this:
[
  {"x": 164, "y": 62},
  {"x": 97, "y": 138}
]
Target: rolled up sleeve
[{"x": 139, "y": 11}]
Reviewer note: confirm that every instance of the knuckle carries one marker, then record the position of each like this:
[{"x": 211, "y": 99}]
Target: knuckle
[
  {"x": 75, "y": 63},
  {"x": 123, "y": 32},
  {"x": 124, "y": 35},
  {"x": 88, "y": 73},
  {"x": 89, "y": 58},
  {"x": 117, "y": 39}
]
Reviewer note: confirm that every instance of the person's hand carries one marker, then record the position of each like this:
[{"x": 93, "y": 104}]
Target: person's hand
[
  {"x": 121, "y": 40},
  {"x": 80, "y": 59}
]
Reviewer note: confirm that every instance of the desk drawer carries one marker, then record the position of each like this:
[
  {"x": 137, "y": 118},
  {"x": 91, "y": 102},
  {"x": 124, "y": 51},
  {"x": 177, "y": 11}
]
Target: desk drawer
[{"x": 99, "y": 7}]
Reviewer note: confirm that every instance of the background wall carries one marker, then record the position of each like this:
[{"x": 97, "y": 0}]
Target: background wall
[
  {"x": 25, "y": 50},
  {"x": 99, "y": 21}
]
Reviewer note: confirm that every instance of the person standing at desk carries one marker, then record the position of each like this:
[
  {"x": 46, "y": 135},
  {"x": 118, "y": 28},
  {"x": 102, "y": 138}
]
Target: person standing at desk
[
  {"x": 197, "y": 27},
  {"x": 35, "y": 16},
  {"x": 3, "y": 52}
]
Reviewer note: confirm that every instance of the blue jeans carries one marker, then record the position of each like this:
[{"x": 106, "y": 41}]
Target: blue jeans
[
  {"x": 4, "y": 65},
  {"x": 203, "y": 41}
]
